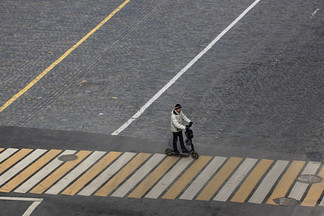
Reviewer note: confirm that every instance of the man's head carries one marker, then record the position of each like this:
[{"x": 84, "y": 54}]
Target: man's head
[{"x": 177, "y": 108}]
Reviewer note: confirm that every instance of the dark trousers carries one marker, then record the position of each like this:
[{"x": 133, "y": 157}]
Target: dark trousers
[{"x": 175, "y": 138}]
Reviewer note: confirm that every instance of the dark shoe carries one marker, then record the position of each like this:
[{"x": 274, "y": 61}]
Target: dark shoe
[
  {"x": 185, "y": 151},
  {"x": 176, "y": 152}
]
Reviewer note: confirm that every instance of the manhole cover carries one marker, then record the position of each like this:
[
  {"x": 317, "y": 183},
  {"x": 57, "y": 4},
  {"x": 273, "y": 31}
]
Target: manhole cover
[
  {"x": 309, "y": 179},
  {"x": 68, "y": 157},
  {"x": 283, "y": 201}
]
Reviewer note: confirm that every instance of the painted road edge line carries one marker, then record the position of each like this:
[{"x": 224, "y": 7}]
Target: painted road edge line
[
  {"x": 31, "y": 208},
  {"x": 179, "y": 74}
]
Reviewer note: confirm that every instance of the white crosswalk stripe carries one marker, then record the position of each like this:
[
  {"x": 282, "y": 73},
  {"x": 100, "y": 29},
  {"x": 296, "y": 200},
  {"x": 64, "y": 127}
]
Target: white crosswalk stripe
[
  {"x": 299, "y": 189},
  {"x": 21, "y": 165},
  {"x": 268, "y": 182},
  {"x": 168, "y": 178},
  {"x": 235, "y": 180},
  {"x": 7, "y": 153},
  {"x": 107, "y": 174},
  {"x": 76, "y": 172},
  {"x": 202, "y": 179},
  {"x": 139, "y": 175},
  {"x": 45, "y": 171}
]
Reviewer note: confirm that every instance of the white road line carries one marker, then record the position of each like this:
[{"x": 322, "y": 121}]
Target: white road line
[
  {"x": 7, "y": 153},
  {"x": 31, "y": 208},
  {"x": 168, "y": 178},
  {"x": 138, "y": 176},
  {"x": 41, "y": 174},
  {"x": 268, "y": 182},
  {"x": 180, "y": 73},
  {"x": 21, "y": 165},
  {"x": 202, "y": 179},
  {"x": 300, "y": 188},
  {"x": 107, "y": 174},
  {"x": 76, "y": 172},
  {"x": 235, "y": 180},
  {"x": 322, "y": 203}
]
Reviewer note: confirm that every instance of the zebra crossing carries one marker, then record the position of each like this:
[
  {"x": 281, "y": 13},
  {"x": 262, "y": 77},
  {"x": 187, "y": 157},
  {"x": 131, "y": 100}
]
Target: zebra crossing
[{"x": 156, "y": 176}]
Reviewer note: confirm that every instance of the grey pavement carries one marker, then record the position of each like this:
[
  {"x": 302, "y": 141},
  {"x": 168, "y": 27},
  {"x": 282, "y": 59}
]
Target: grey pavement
[{"x": 257, "y": 93}]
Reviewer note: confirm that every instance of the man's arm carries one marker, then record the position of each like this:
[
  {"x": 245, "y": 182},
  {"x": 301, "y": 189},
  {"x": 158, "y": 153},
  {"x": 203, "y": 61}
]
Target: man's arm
[{"x": 177, "y": 124}]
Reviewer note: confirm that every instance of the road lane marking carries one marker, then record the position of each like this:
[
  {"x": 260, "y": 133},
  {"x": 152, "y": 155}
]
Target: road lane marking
[
  {"x": 286, "y": 181},
  {"x": 14, "y": 159},
  {"x": 151, "y": 179},
  {"x": 7, "y": 153},
  {"x": 36, "y": 178},
  {"x": 21, "y": 165},
  {"x": 300, "y": 188},
  {"x": 202, "y": 179},
  {"x": 91, "y": 173},
  {"x": 59, "y": 60},
  {"x": 251, "y": 181},
  {"x": 139, "y": 175},
  {"x": 180, "y": 73},
  {"x": 1, "y": 149},
  {"x": 235, "y": 180},
  {"x": 31, "y": 208},
  {"x": 59, "y": 173},
  {"x": 168, "y": 178},
  {"x": 107, "y": 174},
  {"x": 75, "y": 173},
  {"x": 270, "y": 179},
  {"x": 186, "y": 178},
  {"x": 115, "y": 181},
  {"x": 220, "y": 177},
  {"x": 315, "y": 192},
  {"x": 21, "y": 177}
]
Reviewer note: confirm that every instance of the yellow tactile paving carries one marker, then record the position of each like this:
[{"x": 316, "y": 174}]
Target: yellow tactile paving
[
  {"x": 114, "y": 182},
  {"x": 315, "y": 192},
  {"x": 251, "y": 181},
  {"x": 150, "y": 180},
  {"x": 91, "y": 173},
  {"x": 13, "y": 183},
  {"x": 286, "y": 181},
  {"x": 59, "y": 173},
  {"x": 14, "y": 159},
  {"x": 212, "y": 187},
  {"x": 186, "y": 178}
]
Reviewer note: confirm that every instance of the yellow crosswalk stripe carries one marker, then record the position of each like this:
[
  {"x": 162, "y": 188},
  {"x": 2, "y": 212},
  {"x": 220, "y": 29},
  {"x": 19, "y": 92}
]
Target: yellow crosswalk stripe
[
  {"x": 91, "y": 173},
  {"x": 1, "y": 149},
  {"x": 150, "y": 180},
  {"x": 251, "y": 181},
  {"x": 14, "y": 159},
  {"x": 115, "y": 181},
  {"x": 186, "y": 178},
  {"x": 286, "y": 181},
  {"x": 59, "y": 173},
  {"x": 13, "y": 183},
  {"x": 219, "y": 179},
  {"x": 315, "y": 192}
]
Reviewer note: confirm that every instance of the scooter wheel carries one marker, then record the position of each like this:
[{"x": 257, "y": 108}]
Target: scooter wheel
[
  {"x": 195, "y": 155},
  {"x": 168, "y": 152}
]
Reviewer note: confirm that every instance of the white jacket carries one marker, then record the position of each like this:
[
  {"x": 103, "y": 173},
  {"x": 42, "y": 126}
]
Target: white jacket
[{"x": 176, "y": 121}]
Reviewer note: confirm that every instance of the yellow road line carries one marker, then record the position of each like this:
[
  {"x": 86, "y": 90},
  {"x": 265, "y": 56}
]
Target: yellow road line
[
  {"x": 1, "y": 149},
  {"x": 315, "y": 192},
  {"x": 251, "y": 181},
  {"x": 13, "y": 183},
  {"x": 91, "y": 173},
  {"x": 219, "y": 179},
  {"x": 14, "y": 159},
  {"x": 122, "y": 174},
  {"x": 186, "y": 178},
  {"x": 286, "y": 181},
  {"x": 149, "y": 181},
  {"x": 40, "y": 76},
  {"x": 60, "y": 172}
]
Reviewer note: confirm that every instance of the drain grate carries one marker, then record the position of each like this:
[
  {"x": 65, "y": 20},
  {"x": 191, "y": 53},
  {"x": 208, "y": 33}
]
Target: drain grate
[
  {"x": 309, "y": 179},
  {"x": 284, "y": 201},
  {"x": 68, "y": 157}
]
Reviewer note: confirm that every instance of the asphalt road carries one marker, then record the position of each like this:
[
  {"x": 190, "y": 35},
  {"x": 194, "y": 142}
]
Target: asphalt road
[{"x": 257, "y": 93}]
